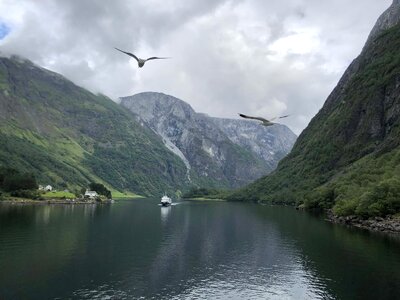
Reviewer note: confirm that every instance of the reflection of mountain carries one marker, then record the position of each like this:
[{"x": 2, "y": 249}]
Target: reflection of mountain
[
  {"x": 192, "y": 250},
  {"x": 37, "y": 242},
  {"x": 204, "y": 246},
  {"x": 350, "y": 263},
  {"x": 127, "y": 250}
]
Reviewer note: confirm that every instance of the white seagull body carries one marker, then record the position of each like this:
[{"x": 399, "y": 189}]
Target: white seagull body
[
  {"x": 265, "y": 122},
  {"x": 141, "y": 61}
]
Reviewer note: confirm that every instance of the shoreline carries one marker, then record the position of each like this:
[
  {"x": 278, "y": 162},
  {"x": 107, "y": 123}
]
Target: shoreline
[
  {"x": 204, "y": 199},
  {"x": 24, "y": 201},
  {"x": 377, "y": 224}
]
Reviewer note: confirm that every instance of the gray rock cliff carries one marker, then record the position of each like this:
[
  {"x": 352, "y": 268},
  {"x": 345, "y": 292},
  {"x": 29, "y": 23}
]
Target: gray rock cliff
[
  {"x": 388, "y": 19},
  {"x": 217, "y": 152},
  {"x": 270, "y": 144}
]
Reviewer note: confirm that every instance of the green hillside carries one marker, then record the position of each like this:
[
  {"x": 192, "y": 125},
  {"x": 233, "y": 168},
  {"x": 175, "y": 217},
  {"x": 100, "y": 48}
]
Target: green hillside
[
  {"x": 69, "y": 137},
  {"x": 348, "y": 158}
]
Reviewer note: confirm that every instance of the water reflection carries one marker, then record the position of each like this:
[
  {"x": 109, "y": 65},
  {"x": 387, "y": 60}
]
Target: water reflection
[
  {"x": 35, "y": 253},
  {"x": 43, "y": 215},
  {"x": 195, "y": 250},
  {"x": 165, "y": 211},
  {"x": 225, "y": 254}
]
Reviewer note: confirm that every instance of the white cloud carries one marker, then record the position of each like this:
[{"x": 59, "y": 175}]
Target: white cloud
[
  {"x": 302, "y": 42},
  {"x": 229, "y": 56}
]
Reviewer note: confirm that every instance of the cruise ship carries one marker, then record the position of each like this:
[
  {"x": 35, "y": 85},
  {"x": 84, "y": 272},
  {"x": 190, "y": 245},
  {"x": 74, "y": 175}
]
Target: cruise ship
[{"x": 166, "y": 201}]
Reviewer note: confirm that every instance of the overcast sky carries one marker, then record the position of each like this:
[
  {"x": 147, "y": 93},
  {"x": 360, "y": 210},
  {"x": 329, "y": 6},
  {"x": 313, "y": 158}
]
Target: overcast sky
[{"x": 260, "y": 57}]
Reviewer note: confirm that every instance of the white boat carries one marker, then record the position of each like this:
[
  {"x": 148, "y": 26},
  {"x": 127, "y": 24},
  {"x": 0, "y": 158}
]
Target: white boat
[{"x": 166, "y": 201}]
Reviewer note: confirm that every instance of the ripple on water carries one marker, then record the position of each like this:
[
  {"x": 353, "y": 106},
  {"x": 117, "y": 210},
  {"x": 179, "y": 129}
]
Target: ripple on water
[{"x": 134, "y": 250}]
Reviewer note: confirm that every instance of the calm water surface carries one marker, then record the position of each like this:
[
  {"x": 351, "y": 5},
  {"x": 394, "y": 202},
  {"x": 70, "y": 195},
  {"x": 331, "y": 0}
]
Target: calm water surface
[{"x": 194, "y": 250}]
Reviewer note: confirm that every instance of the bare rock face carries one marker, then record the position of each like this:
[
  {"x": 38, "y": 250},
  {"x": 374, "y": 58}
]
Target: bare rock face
[
  {"x": 271, "y": 144},
  {"x": 387, "y": 20},
  {"x": 217, "y": 152}
]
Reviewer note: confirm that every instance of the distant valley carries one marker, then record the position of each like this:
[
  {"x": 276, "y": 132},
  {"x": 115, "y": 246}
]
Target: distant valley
[{"x": 69, "y": 137}]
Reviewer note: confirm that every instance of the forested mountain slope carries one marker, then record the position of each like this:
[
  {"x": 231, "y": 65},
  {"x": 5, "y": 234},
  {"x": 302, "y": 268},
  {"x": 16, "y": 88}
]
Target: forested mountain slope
[
  {"x": 68, "y": 136},
  {"x": 348, "y": 157}
]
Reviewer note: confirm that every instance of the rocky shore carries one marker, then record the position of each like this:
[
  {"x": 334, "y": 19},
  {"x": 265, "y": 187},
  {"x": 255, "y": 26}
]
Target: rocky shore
[{"x": 378, "y": 224}]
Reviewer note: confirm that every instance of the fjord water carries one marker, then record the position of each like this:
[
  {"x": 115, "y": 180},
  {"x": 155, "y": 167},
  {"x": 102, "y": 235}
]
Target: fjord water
[{"x": 193, "y": 250}]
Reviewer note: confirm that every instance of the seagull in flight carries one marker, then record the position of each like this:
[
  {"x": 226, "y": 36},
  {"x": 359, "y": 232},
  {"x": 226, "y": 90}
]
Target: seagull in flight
[
  {"x": 265, "y": 122},
  {"x": 141, "y": 61}
]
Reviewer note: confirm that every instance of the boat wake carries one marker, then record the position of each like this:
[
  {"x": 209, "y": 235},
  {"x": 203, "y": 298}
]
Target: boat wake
[{"x": 172, "y": 204}]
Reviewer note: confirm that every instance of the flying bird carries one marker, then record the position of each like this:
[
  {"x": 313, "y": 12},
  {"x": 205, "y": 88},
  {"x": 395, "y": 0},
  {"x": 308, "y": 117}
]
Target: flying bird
[
  {"x": 140, "y": 61},
  {"x": 265, "y": 122}
]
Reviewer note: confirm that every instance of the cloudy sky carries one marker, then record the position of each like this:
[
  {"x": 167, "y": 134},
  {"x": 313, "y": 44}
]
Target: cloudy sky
[{"x": 260, "y": 57}]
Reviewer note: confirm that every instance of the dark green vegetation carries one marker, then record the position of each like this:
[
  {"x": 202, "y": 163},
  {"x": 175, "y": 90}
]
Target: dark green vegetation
[
  {"x": 69, "y": 137},
  {"x": 100, "y": 189},
  {"x": 205, "y": 193},
  {"x": 12, "y": 180},
  {"x": 348, "y": 158},
  {"x": 58, "y": 195},
  {"x": 18, "y": 184}
]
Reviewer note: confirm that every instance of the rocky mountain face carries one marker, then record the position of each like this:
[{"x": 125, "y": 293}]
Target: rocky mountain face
[
  {"x": 217, "y": 152},
  {"x": 69, "y": 137},
  {"x": 348, "y": 158},
  {"x": 270, "y": 144},
  {"x": 387, "y": 20}
]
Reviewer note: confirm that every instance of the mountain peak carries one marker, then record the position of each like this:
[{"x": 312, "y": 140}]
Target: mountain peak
[
  {"x": 349, "y": 153},
  {"x": 68, "y": 136},
  {"x": 221, "y": 152},
  {"x": 390, "y": 18}
]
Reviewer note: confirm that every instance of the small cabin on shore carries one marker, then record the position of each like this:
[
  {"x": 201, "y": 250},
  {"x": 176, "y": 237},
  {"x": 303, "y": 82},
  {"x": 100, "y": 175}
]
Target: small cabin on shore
[
  {"x": 47, "y": 188},
  {"x": 91, "y": 194}
]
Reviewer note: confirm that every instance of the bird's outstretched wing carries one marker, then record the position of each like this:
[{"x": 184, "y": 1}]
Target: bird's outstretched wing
[
  {"x": 254, "y": 118},
  {"x": 279, "y": 118},
  {"x": 155, "y": 57},
  {"x": 128, "y": 53}
]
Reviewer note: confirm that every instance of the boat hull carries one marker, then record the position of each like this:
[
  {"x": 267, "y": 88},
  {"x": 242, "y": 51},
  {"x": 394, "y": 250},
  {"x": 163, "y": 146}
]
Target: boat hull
[{"x": 166, "y": 201}]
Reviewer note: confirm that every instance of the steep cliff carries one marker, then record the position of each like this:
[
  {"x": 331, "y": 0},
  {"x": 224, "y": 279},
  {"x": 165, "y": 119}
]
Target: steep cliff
[
  {"x": 348, "y": 157},
  {"x": 217, "y": 152},
  {"x": 270, "y": 144}
]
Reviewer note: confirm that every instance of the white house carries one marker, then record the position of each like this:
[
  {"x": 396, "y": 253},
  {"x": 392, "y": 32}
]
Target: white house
[
  {"x": 48, "y": 188},
  {"x": 91, "y": 194}
]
